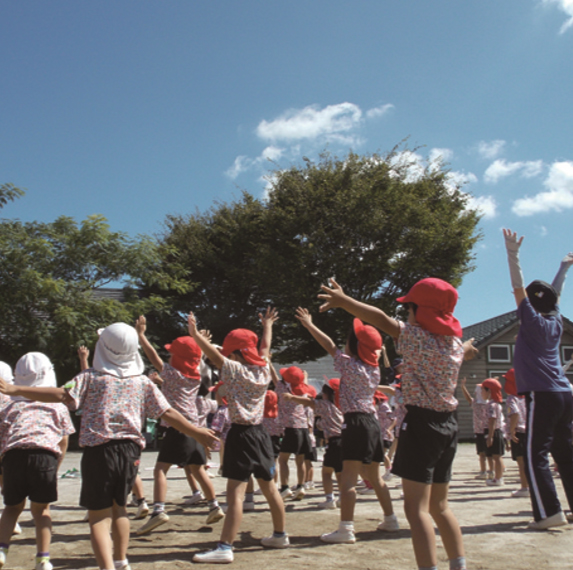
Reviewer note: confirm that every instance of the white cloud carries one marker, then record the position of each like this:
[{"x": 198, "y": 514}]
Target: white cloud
[
  {"x": 311, "y": 123},
  {"x": 501, "y": 169},
  {"x": 567, "y": 7},
  {"x": 438, "y": 156},
  {"x": 241, "y": 164},
  {"x": 542, "y": 231},
  {"x": 490, "y": 150},
  {"x": 557, "y": 197},
  {"x": 486, "y": 206},
  {"x": 244, "y": 163},
  {"x": 379, "y": 111}
]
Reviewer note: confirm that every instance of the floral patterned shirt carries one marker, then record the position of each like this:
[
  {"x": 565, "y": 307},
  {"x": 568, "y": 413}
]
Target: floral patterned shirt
[
  {"x": 221, "y": 423},
  {"x": 479, "y": 417},
  {"x": 516, "y": 405},
  {"x": 494, "y": 410},
  {"x": 358, "y": 382},
  {"x": 385, "y": 417},
  {"x": 291, "y": 414},
  {"x": 181, "y": 393},
  {"x": 31, "y": 425},
  {"x": 272, "y": 426},
  {"x": 331, "y": 418},
  {"x": 431, "y": 366},
  {"x": 114, "y": 408},
  {"x": 246, "y": 386},
  {"x": 399, "y": 410},
  {"x": 205, "y": 406}
]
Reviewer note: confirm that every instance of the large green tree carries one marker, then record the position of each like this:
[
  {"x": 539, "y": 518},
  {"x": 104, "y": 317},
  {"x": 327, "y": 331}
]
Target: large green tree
[{"x": 366, "y": 220}]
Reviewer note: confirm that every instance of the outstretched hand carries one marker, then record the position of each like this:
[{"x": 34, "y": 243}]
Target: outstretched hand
[
  {"x": 83, "y": 352},
  {"x": 511, "y": 241},
  {"x": 470, "y": 351},
  {"x": 568, "y": 259},
  {"x": 192, "y": 325},
  {"x": 304, "y": 317},
  {"x": 141, "y": 325},
  {"x": 6, "y": 387},
  {"x": 332, "y": 295},
  {"x": 271, "y": 316}
]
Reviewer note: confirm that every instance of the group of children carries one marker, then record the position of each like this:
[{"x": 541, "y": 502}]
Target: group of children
[{"x": 115, "y": 398}]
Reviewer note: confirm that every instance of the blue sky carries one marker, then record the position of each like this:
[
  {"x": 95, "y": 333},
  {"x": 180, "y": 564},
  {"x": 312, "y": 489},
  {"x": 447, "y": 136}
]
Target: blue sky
[{"x": 136, "y": 110}]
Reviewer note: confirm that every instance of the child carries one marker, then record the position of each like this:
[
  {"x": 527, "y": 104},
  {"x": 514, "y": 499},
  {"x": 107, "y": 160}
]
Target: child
[
  {"x": 478, "y": 405},
  {"x": 515, "y": 406},
  {"x": 387, "y": 421},
  {"x": 491, "y": 393},
  {"x": 310, "y": 456},
  {"x": 433, "y": 353},
  {"x": 271, "y": 424},
  {"x": 362, "y": 448},
  {"x": 246, "y": 376},
  {"x": 33, "y": 441},
  {"x": 540, "y": 377},
  {"x": 115, "y": 398}
]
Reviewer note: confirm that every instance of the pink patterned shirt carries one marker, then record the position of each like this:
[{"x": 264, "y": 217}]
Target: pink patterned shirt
[
  {"x": 431, "y": 366},
  {"x": 399, "y": 410},
  {"x": 31, "y": 425},
  {"x": 205, "y": 406},
  {"x": 246, "y": 387},
  {"x": 331, "y": 418},
  {"x": 358, "y": 382},
  {"x": 479, "y": 417},
  {"x": 114, "y": 408},
  {"x": 181, "y": 393},
  {"x": 494, "y": 410},
  {"x": 385, "y": 417},
  {"x": 272, "y": 426},
  {"x": 221, "y": 423},
  {"x": 291, "y": 414},
  {"x": 516, "y": 405}
]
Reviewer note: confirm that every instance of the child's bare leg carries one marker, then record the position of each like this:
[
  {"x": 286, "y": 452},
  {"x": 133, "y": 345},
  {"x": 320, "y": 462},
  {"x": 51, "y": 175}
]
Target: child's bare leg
[
  {"x": 327, "y": 484},
  {"x": 235, "y": 497},
  {"x": 348, "y": 478},
  {"x": 8, "y": 521},
  {"x": 490, "y": 464},
  {"x": 138, "y": 488},
  {"x": 100, "y": 525},
  {"x": 119, "y": 531},
  {"x": 522, "y": 476},
  {"x": 446, "y": 521},
  {"x": 372, "y": 472},
  {"x": 43, "y": 522},
  {"x": 392, "y": 449},
  {"x": 309, "y": 471},
  {"x": 417, "y": 510},
  {"x": 498, "y": 466},
  {"x": 204, "y": 481},
  {"x": 160, "y": 482},
  {"x": 190, "y": 479},
  {"x": 482, "y": 462},
  {"x": 300, "y": 469},
  {"x": 251, "y": 485},
  {"x": 275, "y": 502},
  {"x": 387, "y": 463},
  {"x": 283, "y": 464}
]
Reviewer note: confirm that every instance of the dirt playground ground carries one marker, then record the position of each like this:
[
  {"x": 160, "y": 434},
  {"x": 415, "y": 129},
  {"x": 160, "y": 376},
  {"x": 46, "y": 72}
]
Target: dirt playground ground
[{"x": 493, "y": 524}]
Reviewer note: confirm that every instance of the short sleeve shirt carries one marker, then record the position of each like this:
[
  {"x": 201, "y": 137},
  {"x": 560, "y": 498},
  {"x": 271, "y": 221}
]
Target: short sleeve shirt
[
  {"x": 331, "y": 418},
  {"x": 272, "y": 426},
  {"x": 205, "y": 406},
  {"x": 385, "y": 418},
  {"x": 494, "y": 410},
  {"x": 516, "y": 405},
  {"x": 31, "y": 425},
  {"x": 358, "y": 382},
  {"x": 291, "y": 414},
  {"x": 181, "y": 393},
  {"x": 479, "y": 417},
  {"x": 431, "y": 366},
  {"x": 114, "y": 408},
  {"x": 246, "y": 386}
]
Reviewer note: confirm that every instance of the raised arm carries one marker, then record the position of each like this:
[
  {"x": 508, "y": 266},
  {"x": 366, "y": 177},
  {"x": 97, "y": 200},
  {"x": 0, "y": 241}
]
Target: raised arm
[
  {"x": 83, "y": 354},
  {"x": 205, "y": 345},
  {"x": 267, "y": 320},
  {"x": 334, "y": 297},
  {"x": 322, "y": 338},
  {"x": 512, "y": 245},
  {"x": 302, "y": 400},
  {"x": 465, "y": 392},
  {"x": 559, "y": 278},
  {"x": 34, "y": 393},
  {"x": 150, "y": 352}
]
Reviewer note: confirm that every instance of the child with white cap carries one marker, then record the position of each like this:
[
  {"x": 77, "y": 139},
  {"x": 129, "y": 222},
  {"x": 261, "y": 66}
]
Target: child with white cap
[
  {"x": 33, "y": 440},
  {"x": 115, "y": 398}
]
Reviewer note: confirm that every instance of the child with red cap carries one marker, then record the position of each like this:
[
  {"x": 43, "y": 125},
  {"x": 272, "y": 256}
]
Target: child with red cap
[
  {"x": 245, "y": 375},
  {"x": 491, "y": 393},
  {"x": 362, "y": 447},
  {"x": 294, "y": 422},
  {"x": 516, "y": 414},
  {"x": 433, "y": 353},
  {"x": 180, "y": 384}
]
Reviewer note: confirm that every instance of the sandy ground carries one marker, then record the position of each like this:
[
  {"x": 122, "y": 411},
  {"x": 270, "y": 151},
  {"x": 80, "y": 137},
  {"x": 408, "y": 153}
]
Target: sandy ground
[{"x": 493, "y": 523}]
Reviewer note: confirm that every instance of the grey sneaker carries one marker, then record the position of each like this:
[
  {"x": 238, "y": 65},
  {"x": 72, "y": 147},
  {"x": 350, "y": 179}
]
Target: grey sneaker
[
  {"x": 389, "y": 524},
  {"x": 217, "y": 556},
  {"x": 154, "y": 521},
  {"x": 276, "y": 541},
  {"x": 340, "y": 536},
  {"x": 142, "y": 511},
  {"x": 557, "y": 519},
  {"x": 215, "y": 514}
]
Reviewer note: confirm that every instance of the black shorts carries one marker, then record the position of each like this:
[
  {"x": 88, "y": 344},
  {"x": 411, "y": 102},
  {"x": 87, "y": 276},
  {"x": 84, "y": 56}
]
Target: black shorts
[
  {"x": 518, "y": 447},
  {"x": 333, "y": 454},
  {"x": 426, "y": 446},
  {"x": 387, "y": 444},
  {"x": 248, "y": 451},
  {"x": 276, "y": 441},
  {"x": 108, "y": 473},
  {"x": 31, "y": 473},
  {"x": 311, "y": 455},
  {"x": 481, "y": 445},
  {"x": 297, "y": 441},
  {"x": 361, "y": 438},
  {"x": 498, "y": 445},
  {"x": 180, "y": 449}
]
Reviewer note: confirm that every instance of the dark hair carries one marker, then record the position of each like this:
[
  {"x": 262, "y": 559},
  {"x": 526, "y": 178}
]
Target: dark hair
[
  {"x": 352, "y": 341},
  {"x": 328, "y": 392},
  {"x": 203, "y": 388},
  {"x": 413, "y": 306}
]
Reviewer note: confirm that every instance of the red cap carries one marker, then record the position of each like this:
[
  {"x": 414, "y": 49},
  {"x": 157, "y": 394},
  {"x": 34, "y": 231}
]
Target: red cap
[
  {"x": 369, "y": 342},
  {"x": 436, "y": 300},
  {"x": 310, "y": 390},
  {"x": 245, "y": 341},
  {"x": 271, "y": 404},
  {"x": 295, "y": 377},
  {"x": 510, "y": 386},
  {"x": 185, "y": 356},
  {"x": 494, "y": 387},
  {"x": 380, "y": 397}
]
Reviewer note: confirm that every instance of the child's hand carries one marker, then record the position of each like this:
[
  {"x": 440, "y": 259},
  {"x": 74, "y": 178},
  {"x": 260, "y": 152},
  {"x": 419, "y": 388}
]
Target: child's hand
[
  {"x": 206, "y": 437},
  {"x": 83, "y": 353},
  {"x": 568, "y": 259},
  {"x": 511, "y": 241},
  {"x": 270, "y": 317},
  {"x": 332, "y": 296},
  {"x": 192, "y": 325},
  {"x": 304, "y": 317},
  {"x": 470, "y": 351},
  {"x": 6, "y": 388},
  {"x": 206, "y": 334},
  {"x": 287, "y": 397},
  {"x": 141, "y": 325},
  {"x": 156, "y": 379}
]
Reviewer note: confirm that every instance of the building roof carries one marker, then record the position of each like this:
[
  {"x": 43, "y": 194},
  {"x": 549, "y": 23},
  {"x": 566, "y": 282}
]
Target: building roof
[{"x": 108, "y": 293}]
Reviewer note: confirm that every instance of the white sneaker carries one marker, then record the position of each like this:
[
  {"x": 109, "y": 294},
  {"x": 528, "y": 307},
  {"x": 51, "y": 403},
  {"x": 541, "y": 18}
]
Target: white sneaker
[
  {"x": 523, "y": 492},
  {"x": 276, "y": 541},
  {"x": 248, "y": 506},
  {"x": 327, "y": 505},
  {"x": 3, "y": 553},
  {"x": 389, "y": 524},
  {"x": 215, "y": 514},
  {"x": 44, "y": 565},
  {"x": 217, "y": 556},
  {"x": 133, "y": 502},
  {"x": 125, "y": 566},
  {"x": 142, "y": 511},
  {"x": 387, "y": 476},
  {"x": 286, "y": 493},
  {"x": 340, "y": 536},
  {"x": 299, "y": 494},
  {"x": 495, "y": 482},
  {"x": 154, "y": 521},
  {"x": 17, "y": 529},
  {"x": 557, "y": 519},
  {"x": 367, "y": 491},
  {"x": 489, "y": 475},
  {"x": 194, "y": 499},
  {"x": 481, "y": 475},
  {"x": 309, "y": 485}
]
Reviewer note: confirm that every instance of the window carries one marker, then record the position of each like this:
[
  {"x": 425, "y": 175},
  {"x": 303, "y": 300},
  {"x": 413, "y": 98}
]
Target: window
[
  {"x": 499, "y": 353},
  {"x": 566, "y": 353}
]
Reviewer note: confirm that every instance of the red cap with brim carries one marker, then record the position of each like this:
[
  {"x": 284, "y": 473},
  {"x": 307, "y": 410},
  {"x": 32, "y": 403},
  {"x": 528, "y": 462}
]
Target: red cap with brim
[
  {"x": 185, "y": 356},
  {"x": 494, "y": 387},
  {"x": 510, "y": 385},
  {"x": 436, "y": 300},
  {"x": 380, "y": 397},
  {"x": 246, "y": 342},
  {"x": 271, "y": 404},
  {"x": 294, "y": 376},
  {"x": 369, "y": 342}
]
